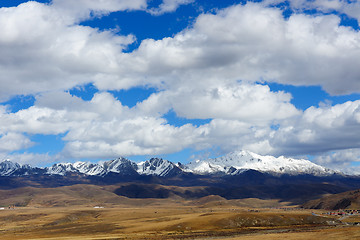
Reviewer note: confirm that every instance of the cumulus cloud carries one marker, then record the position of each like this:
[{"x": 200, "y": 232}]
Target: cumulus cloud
[
  {"x": 328, "y": 132},
  {"x": 42, "y": 50},
  {"x": 342, "y": 158},
  {"x": 99, "y": 128},
  {"x": 350, "y": 8},
  {"x": 248, "y": 103},
  {"x": 137, "y": 136},
  {"x": 250, "y": 43},
  {"x": 104, "y": 128},
  {"x": 229, "y": 135},
  {"x": 14, "y": 141},
  {"x": 168, "y": 6},
  {"x": 245, "y": 102},
  {"x": 211, "y": 70},
  {"x": 84, "y": 9},
  {"x": 321, "y": 5},
  {"x": 320, "y": 129},
  {"x": 34, "y": 159}
]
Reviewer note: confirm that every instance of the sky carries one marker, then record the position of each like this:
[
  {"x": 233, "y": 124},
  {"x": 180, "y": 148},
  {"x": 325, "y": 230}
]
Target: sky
[{"x": 92, "y": 80}]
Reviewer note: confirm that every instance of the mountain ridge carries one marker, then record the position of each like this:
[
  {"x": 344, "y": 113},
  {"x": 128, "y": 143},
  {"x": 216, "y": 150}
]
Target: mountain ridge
[
  {"x": 155, "y": 178},
  {"x": 233, "y": 163}
]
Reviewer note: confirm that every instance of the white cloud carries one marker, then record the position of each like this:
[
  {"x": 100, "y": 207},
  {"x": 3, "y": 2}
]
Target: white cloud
[
  {"x": 104, "y": 128},
  {"x": 321, "y": 5},
  {"x": 34, "y": 159},
  {"x": 230, "y": 135},
  {"x": 320, "y": 130},
  {"x": 342, "y": 159},
  {"x": 14, "y": 141},
  {"x": 43, "y": 50},
  {"x": 137, "y": 136},
  {"x": 350, "y": 8},
  {"x": 169, "y": 6},
  {"x": 250, "y": 43},
  {"x": 209, "y": 71},
  {"x": 34, "y": 121},
  {"x": 84, "y": 9},
  {"x": 99, "y": 128},
  {"x": 245, "y": 102}
]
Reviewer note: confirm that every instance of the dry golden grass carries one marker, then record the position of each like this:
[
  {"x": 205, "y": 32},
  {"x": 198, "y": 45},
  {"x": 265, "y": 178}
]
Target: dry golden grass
[
  {"x": 339, "y": 233},
  {"x": 165, "y": 220},
  {"x": 69, "y": 213}
]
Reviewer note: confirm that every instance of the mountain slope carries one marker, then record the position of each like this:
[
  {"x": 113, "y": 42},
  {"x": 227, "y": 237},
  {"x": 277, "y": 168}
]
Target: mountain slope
[
  {"x": 79, "y": 194},
  {"x": 345, "y": 200}
]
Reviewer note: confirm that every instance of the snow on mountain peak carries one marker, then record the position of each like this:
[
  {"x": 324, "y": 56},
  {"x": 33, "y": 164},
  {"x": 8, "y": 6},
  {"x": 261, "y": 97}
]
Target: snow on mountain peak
[
  {"x": 61, "y": 169},
  {"x": 241, "y": 160},
  {"x": 7, "y": 168},
  {"x": 231, "y": 164},
  {"x": 120, "y": 165},
  {"x": 89, "y": 168},
  {"x": 157, "y": 166}
]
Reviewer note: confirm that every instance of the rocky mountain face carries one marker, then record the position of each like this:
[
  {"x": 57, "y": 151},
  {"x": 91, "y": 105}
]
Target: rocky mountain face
[{"x": 231, "y": 164}]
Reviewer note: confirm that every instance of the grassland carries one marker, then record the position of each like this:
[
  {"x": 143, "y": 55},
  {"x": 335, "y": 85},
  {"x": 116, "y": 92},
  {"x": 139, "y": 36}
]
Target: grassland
[
  {"x": 168, "y": 220},
  {"x": 69, "y": 213}
]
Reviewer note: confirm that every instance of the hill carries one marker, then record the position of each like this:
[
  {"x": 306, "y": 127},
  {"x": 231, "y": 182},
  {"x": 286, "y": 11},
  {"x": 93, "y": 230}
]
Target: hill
[
  {"x": 345, "y": 200},
  {"x": 87, "y": 195},
  {"x": 249, "y": 184}
]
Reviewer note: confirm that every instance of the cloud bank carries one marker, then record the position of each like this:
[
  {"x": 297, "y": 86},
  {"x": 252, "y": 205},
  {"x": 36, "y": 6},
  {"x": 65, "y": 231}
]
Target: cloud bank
[{"x": 216, "y": 69}]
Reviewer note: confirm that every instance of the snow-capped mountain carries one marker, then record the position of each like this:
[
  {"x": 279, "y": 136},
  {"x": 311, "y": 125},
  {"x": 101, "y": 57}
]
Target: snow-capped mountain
[
  {"x": 236, "y": 162},
  {"x": 8, "y": 168},
  {"x": 87, "y": 168},
  {"x": 231, "y": 164},
  {"x": 159, "y": 167},
  {"x": 61, "y": 169},
  {"x": 121, "y": 165}
]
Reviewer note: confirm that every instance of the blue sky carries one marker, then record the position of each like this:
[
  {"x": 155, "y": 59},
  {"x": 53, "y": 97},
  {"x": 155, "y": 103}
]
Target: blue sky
[{"x": 179, "y": 79}]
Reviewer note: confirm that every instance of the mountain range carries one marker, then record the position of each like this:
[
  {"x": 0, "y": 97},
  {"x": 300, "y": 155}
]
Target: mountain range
[
  {"x": 231, "y": 164},
  {"x": 237, "y": 175}
]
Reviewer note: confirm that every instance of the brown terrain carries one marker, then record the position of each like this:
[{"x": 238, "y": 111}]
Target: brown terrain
[
  {"x": 346, "y": 200},
  {"x": 95, "y": 212}
]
